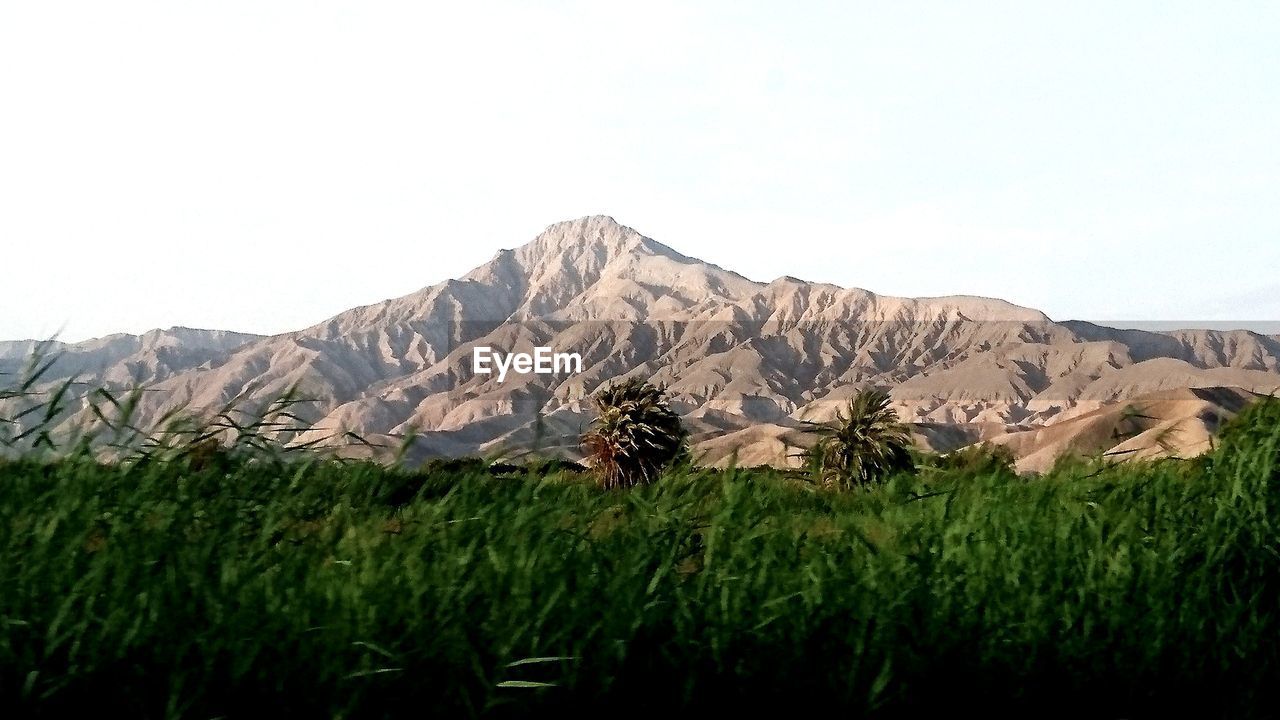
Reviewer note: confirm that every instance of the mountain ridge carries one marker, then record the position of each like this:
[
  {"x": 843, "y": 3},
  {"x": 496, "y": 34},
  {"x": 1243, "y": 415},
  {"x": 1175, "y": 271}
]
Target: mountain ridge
[{"x": 749, "y": 353}]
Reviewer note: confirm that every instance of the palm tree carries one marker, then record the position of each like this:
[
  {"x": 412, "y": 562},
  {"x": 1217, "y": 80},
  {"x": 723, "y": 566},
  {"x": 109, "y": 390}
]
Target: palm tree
[
  {"x": 636, "y": 435},
  {"x": 865, "y": 443}
]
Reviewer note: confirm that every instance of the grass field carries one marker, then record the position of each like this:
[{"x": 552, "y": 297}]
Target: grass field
[{"x": 244, "y": 587}]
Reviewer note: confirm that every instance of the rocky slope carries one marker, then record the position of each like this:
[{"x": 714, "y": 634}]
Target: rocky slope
[
  {"x": 1169, "y": 423},
  {"x": 120, "y": 359},
  {"x": 738, "y": 356}
]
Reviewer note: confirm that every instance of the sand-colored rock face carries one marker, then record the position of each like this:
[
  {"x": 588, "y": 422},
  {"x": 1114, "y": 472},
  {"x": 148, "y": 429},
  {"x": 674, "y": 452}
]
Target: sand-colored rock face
[
  {"x": 749, "y": 355},
  {"x": 122, "y": 359},
  {"x": 1169, "y": 423}
]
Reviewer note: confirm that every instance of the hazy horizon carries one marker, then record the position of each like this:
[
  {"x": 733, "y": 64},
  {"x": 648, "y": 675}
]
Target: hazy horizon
[{"x": 260, "y": 168}]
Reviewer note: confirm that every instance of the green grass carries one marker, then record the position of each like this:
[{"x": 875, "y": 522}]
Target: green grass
[{"x": 246, "y": 587}]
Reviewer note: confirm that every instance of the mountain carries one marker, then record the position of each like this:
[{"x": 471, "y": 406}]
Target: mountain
[
  {"x": 1169, "y": 423},
  {"x": 740, "y": 358},
  {"x": 121, "y": 359}
]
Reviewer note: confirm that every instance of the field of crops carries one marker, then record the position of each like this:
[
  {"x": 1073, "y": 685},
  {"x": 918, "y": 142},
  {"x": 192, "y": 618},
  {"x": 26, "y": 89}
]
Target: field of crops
[{"x": 244, "y": 586}]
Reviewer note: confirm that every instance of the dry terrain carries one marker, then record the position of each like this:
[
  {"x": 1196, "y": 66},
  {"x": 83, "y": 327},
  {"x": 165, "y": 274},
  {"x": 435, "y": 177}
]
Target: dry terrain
[{"x": 744, "y": 361}]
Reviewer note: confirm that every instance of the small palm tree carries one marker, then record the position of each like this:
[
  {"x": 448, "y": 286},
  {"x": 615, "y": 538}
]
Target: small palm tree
[
  {"x": 865, "y": 444},
  {"x": 636, "y": 435}
]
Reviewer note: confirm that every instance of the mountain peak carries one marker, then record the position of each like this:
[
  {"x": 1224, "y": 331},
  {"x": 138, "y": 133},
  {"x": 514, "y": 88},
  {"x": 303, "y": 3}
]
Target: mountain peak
[
  {"x": 737, "y": 351},
  {"x": 589, "y": 262},
  {"x": 596, "y": 221},
  {"x": 597, "y": 235}
]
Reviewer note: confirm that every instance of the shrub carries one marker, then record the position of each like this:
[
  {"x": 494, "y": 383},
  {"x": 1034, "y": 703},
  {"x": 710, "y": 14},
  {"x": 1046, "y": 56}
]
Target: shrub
[
  {"x": 1251, "y": 438},
  {"x": 865, "y": 444},
  {"x": 979, "y": 459},
  {"x": 1254, "y": 426},
  {"x": 635, "y": 436}
]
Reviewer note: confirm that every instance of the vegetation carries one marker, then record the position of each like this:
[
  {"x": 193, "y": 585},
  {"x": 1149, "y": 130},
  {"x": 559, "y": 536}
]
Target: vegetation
[
  {"x": 326, "y": 588},
  {"x": 186, "y": 578},
  {"x": 982, "y": 458},
  {"x": 865, "y": 444},
  {"x": 635, "y": 435}
]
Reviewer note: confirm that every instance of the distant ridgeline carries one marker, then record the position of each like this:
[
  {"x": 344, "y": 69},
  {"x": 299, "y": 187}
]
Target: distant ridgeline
[{"x": 744, "y": 362}]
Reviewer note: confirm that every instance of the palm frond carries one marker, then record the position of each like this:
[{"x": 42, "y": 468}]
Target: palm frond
[{"x": 865, "y": 444}]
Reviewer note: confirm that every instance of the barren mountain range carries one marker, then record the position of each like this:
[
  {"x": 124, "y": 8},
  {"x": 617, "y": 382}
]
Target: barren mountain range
[{"x": 744, "y": 361}]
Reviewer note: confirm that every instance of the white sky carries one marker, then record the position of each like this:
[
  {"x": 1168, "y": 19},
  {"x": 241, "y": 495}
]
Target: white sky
[{"x": 260, "y": 166}]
